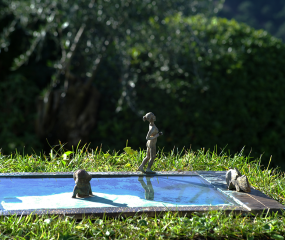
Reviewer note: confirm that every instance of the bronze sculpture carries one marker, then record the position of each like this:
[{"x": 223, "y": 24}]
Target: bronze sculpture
[
  {"x": 236, "y": 181},
  {"x": 82, "y": 186},
  {"x": 151, "y": 138}
]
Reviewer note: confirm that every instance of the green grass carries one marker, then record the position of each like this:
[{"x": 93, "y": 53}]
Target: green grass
[{"x": 211, "y": 225}]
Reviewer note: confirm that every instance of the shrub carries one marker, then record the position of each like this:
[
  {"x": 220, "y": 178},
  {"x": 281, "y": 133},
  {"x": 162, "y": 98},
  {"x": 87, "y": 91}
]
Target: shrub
[{"x": 233, "y": 99}]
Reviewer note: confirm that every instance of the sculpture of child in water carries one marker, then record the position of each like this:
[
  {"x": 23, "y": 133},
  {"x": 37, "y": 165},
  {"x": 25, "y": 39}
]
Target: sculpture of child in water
[{"x": 151, "y": 138}]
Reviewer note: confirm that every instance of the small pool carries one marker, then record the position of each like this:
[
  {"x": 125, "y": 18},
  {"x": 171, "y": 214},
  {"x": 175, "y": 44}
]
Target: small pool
[{"x": 130, "y": 191}]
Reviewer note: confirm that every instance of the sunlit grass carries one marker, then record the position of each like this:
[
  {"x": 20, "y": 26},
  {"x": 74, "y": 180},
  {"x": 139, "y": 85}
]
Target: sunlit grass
[{"x": 210, "y": 225}]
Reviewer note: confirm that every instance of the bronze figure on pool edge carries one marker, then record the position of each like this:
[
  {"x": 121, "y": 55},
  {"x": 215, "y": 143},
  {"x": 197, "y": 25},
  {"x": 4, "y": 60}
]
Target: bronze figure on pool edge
[{"x": 151, "y": 138}]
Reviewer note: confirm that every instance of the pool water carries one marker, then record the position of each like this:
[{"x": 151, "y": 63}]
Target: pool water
[{"x": 133, "y": 191}]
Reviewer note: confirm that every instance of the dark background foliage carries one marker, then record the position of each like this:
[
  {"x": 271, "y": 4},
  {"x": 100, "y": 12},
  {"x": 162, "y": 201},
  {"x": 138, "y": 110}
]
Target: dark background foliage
[
  {"x": 260, "y": 14},
  {"x": 234, "y": 105},
  {"x": 211, "y": 82}
]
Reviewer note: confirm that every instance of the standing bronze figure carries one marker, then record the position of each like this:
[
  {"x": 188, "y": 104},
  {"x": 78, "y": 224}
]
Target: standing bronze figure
[{"x": 151, "y": 138}]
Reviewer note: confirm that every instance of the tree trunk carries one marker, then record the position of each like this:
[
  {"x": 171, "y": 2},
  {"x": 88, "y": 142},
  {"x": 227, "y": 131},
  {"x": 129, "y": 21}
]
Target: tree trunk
[{"x": 68, "y": 116}]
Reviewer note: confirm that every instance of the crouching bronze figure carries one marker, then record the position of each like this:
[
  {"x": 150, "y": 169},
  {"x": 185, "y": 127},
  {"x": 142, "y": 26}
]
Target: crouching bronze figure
[
  {"x": 236, "y": 181},
  {"x": 82, "y": 186}
]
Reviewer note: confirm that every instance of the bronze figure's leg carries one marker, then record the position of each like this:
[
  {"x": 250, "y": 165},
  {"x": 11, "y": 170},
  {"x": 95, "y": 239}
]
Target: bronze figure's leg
[
  {"x": 152, "y": 157},
  {"x": 145, "y": 160}
]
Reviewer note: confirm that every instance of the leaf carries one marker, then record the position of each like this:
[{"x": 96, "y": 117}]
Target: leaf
[
  {"x": 130, "y": 151},
  {"x": 63, "y": 162},
  {"x": 99, "y": 221},
  {"x": 142, "y": 222},
  {"x": 68, "y": 153},
  {"x": 106, "y": 155},
  {"x": 112, "y": 232},
  {"x": 51, "y": 154},
  {"x": 64, "y": 156},
  {"x": 277, "y": 237},
  {"x": 266, "y": 227},
  {"x": 79, "y": 227},
  {"x": 128, "y": 165},
  {"x": 48, "y": 221}
]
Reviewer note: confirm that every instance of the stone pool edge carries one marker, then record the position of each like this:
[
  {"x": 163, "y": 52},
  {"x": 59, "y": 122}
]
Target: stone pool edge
[{"x": 255, "y": 201}]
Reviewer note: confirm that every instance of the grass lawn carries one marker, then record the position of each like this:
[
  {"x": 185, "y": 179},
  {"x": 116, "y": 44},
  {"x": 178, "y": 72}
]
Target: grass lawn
[{"x": 211, "y": 225}]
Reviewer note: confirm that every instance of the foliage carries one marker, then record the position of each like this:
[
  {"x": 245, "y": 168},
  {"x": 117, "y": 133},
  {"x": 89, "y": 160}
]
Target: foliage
[
  {"x": 268, "y": 15},
  {"x": 208, "y": 80},
  {"x": 16, "y": 116},
  {"x": 222, "y": 86},
  {"x": 210, "y": 225},
  {"x": 71, "y": 40},
  {"x": 19, "y": 89}
]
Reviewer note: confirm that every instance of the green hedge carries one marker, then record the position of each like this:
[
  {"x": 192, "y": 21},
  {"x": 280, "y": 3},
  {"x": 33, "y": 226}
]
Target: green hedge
[{"x": 235, "y": 100}]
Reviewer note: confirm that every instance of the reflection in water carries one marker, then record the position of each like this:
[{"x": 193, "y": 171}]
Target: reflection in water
[{"x": 149, "y": 192}]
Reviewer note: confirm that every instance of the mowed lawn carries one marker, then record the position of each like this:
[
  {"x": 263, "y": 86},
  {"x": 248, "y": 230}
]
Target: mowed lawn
[{"x": 211, "y": 225}]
